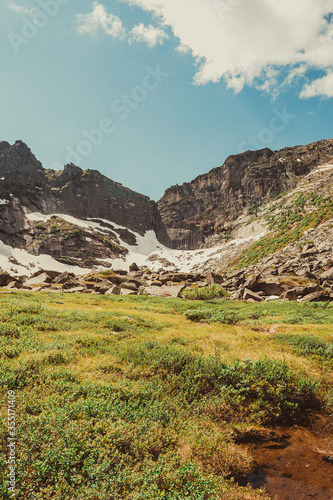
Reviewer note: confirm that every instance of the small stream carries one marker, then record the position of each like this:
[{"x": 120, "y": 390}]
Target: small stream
[{"x": 294, "y": 463}]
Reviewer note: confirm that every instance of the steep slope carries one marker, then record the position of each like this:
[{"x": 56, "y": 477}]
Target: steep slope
[
  {"x": 203, "y": 212},
  {"x": 26, "y": 187}
]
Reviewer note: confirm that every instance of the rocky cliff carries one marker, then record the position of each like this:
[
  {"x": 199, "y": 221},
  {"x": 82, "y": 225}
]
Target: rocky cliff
[
  {"x": 202, "y": 212},
  {"x": 25, "y": 187},
  {"x": 256, "y": 205}
]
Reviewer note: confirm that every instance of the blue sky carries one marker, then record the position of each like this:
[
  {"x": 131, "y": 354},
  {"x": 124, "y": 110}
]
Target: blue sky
[{"x": 153, "y": 93}]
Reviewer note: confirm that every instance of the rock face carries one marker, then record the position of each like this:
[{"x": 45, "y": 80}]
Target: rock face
[
  {"x": 202, "y": 212},
  {"x": 292, "y": 226},
  {"x": 26, "y": 186}
]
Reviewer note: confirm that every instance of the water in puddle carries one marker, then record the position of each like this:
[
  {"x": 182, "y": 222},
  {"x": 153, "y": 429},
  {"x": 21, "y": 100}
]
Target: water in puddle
[{"x": 294, "y": 463}]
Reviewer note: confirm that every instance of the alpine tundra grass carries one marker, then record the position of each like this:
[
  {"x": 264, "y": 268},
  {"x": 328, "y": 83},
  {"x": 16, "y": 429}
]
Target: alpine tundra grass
[{"x": 141, "y": 398}]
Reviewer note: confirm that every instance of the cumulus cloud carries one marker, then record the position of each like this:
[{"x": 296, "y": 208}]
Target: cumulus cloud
[
  {"x": 322, "y": 86},
  {"x": 263, "y": 43},
  {"x": 99, "y": 19},
  {"x": 19, "y": 9},
  {"x": 148, "y": 34}
]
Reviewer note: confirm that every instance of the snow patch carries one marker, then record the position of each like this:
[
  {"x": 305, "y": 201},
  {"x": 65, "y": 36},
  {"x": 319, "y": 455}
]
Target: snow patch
[
  {"x": 323, "y": 168},
  {"x": 29, "y": 264},
  {"x": 148, "y": 251}
]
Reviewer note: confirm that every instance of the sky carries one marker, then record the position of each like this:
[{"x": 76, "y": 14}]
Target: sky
[{"x": 153, "y": 93}]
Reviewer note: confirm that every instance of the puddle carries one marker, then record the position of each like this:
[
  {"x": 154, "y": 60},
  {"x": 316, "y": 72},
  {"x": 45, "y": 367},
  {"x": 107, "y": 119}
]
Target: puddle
[{"x": 293, "y": 463}]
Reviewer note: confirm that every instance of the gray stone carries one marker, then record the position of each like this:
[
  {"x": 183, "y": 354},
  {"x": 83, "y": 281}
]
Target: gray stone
[
  {"x": 270, "y": 287},
  {"x": 327, "y": 275},
  {"x": 115, "y": 290},
  {"x": 290, "y": 294},
  {"x": 14, "y": 285},
  {"x": 38, "y": 280},
  {"x": 249, "y": 295},
  {"x": 133, "y": 267},
  {"x": 77, "y": 289},
  {"x": 164, "y": 291},
  {"x": 321, "y": 296},
  {"x": 5, "y": 278},
  {"x": 129, "y": 286},
  {"x": 63, "y": 277}
]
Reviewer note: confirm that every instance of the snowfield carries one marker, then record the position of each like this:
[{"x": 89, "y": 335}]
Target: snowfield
[{"x": 147, "y": 252}]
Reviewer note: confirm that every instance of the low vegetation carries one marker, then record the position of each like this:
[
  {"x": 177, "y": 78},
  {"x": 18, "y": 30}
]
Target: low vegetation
[
  {"x": 204, "y": 293},
  {"x": 287, "y": 222},
  {"x": 140, "y": 398}
]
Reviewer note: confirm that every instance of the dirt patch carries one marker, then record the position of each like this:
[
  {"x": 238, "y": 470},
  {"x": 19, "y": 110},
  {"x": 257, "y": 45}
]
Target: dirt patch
[{"x": 293, "y": 463}]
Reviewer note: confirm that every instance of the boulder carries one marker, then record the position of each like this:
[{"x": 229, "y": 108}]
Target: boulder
[
  {"x": 218, "y": 279},
  {"x": 135, "y": 282},
  {"x": 328, "y": 285},
  {"x": 117, "y": 279},
  {"x": 124, "y": 291},
  {"x": 76, "y": 289},
  {"x": 63, "y": 277},
  {"x": 251, "y": 281},
  {"x": 290, "y": 294},
  {"x": 5, "y": 279},
  {"x": 156, "y": 283},
  {"x": 115, "y": 290},
  {"x": 327, "y": 276},
  {"x": 129, "y": 286},
  {"x": 133, "y": 267},
  {"x": 270, "y": 287},
  {"x": 321, "y": 296},
  {"x": 235, "y": 274},
  {"x": 249, "y": 295},
  {"x": 71, "y": 284},
  {"x": 164, "y": 291},
  {"x": 40, "y": 279},
  {"x": 102, "y": 287},
  {"x": 120, "y": 272},
  {"x": 14, "y": 285},
  {"x": 51, "y": 274}
]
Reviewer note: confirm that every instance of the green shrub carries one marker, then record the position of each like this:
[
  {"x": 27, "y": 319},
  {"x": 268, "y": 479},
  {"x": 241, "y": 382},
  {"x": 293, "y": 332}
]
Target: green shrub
[
  {"x": 307, "y": 345},
  {"x": 198, "y": 314},
  {"x": 211, "y": 315},
  {"x": 205, "y": 293},
  {"x": 275, "y": 392},
  {"x": 9, "y": 330}
]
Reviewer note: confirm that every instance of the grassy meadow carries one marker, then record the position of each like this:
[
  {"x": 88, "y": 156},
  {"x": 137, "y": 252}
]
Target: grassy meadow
[{"x": 141, "y": 398}]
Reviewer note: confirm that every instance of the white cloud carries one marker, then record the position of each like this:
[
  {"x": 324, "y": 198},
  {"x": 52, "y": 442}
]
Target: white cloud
[
  {"x": 148, "y": 34},
  {"x": 252, "y": 42},
  {"x": 19, "y": 9},
  {"x": 99, "y": 19},
  {"x": 322, "y": 86},
  {"x": 111, "y": 25}
]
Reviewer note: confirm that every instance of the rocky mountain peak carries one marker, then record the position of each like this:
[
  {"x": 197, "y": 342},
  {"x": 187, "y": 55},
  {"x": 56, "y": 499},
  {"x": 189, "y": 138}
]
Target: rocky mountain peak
[
  {"x": 3, "y": 146},
  {"x": 243, "y": 159},
  {"x": 201, "y": 212},
  {"x": 20, "y": 159},
  {"x": 70, "y": 172}
]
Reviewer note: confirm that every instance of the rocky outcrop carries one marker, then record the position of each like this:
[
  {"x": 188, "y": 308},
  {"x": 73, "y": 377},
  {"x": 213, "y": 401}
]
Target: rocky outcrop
[
  {"x": 202, "y": 212},
  {"x": 25, "y": 186}
]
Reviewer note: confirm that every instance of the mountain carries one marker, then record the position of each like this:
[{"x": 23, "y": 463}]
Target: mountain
[
  {"x": 202, "y": 212},
  {"x": 259, "y": 225},
  {"x": 27, "y": 188}
]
